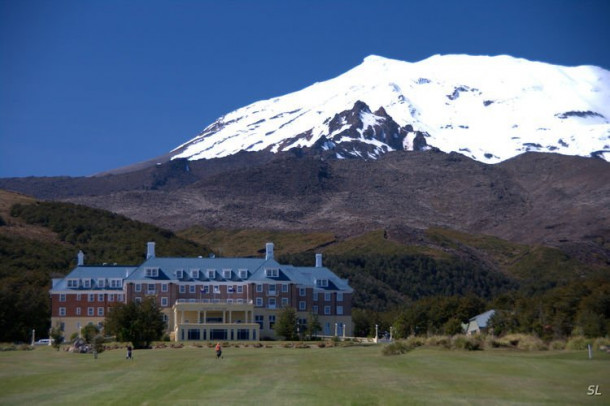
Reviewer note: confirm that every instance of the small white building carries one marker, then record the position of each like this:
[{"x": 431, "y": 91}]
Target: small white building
[{"x": 479, "y": 323}]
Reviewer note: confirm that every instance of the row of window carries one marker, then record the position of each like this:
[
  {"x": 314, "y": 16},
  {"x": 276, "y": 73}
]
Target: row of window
[
  {"x": 206, "y": 289},
  {"x": 99, "y": 282},
  {"x": 272, "y": 304},
  {"x": 197, "y": 273},
  {"x": 78, "y": 311},
  {"x": 91, "y": 297}
]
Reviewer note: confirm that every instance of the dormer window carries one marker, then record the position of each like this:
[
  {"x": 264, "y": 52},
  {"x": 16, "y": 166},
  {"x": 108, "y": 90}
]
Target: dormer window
[
  {"x": 195, "y": 273},
  {"x": 243, "y": 274},
  {"x": 323, "y": 283},
  {"x": 152, "y": 272},
  {"x": 211, "y": 273},
  {"x": 179, "y": 274},
  {"x": 226, "y": 273},
  {"x": 116, "y": 283},
  {"x": 272, "y": 272},
  {"x": 86, "y": 283},
  {"x": 73, "y": 283},
  {"x": 101, "y": 283}
]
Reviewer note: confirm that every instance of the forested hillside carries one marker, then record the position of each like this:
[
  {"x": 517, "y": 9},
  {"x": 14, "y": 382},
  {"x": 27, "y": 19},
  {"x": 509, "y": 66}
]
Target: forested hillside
[
  {"x": 39, "y": 241},
  {"x": 418, "y": 281}
]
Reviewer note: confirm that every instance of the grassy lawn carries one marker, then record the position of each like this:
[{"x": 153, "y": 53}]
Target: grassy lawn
[{"x": 357, "y": 375}]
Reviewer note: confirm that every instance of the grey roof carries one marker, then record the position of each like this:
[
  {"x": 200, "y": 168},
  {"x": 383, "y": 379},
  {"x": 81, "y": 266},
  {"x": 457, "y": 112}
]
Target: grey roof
[
  {"x": 93, "y": 273},
  {"x": 483, "y": 318},
  {"x": 168, "y": 270}
]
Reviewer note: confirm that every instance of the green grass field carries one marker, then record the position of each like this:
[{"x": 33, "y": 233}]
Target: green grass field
[{"x": 357, "y": 375}]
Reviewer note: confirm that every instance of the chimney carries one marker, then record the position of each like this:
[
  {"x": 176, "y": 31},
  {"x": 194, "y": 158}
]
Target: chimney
[
  {"x": 150, "y": 253},
  {"x": 80, "y": 258},
  {"x": 269, "y": 251},
  {"x": 318, "y": 260}
]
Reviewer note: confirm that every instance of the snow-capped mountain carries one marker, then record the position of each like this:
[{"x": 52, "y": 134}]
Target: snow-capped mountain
[{"x": 487, "y": 108}]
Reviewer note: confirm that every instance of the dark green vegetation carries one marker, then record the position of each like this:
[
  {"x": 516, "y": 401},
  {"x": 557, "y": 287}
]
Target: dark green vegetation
[
  {"x": 39, "y": 242},
  {"x": 422, "y": 282},
  {"x": 356, "y": 375},
  {"x": 137, "y": 323}
]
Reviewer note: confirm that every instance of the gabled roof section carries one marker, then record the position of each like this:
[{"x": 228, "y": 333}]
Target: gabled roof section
[
  {"x": 483, "y": 318},
  {"x": 92, "y": 273}
]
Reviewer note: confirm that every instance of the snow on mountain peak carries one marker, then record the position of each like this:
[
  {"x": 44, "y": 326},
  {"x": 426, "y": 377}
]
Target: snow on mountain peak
[{"x": 489, "y": 108}]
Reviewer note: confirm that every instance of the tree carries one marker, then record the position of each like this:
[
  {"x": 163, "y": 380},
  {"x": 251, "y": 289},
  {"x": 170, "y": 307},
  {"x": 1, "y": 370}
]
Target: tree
[
  {"x": 286, "y": 324},
  {"x": 313, "y": 325},
  {"x": 138, "y": 323},
  {"x": 89, "y": 332},
  {"x": 57, "y": 336}
]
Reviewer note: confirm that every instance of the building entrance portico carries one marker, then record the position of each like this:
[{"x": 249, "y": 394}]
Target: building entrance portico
[{"x": 204, "y": 321}]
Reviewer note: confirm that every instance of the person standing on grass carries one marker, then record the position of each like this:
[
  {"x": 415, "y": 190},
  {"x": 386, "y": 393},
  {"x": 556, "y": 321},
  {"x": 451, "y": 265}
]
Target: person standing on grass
[
  {"x": 218, "y": 351},
  {"x": 128, "y": 352}
]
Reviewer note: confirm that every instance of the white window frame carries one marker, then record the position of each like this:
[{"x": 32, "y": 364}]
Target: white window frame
[
  {"x": 326, "y": 310},
  {"x": 62, "y": 297},
  {"x": 226, "y": 273},
  {"x": 315, "y": 309},
  {"x": 272, "y": 272},
  {"x": 100, "y": 312},
  {"x": 152, "y": 272},
  {"x": 315, "y": 296},
  {"x": 302, "y": 305},
  {"x": 195, "y": 273},
  {"x": 271, "y": 303},
  {"x": 259, "y": 288},
  {"x": 211, "y": 273},
  {"x": 77, "y": 311},
  {"x": 272, "y": 289},
  {"x": 90, "y": 311},
  {"x": 164, "y": 287},
  {"x": 339, "y": 296},
  {"x": 243, "y": 273},
  {"x": 91, "y": 297},
  {"x": 192, "y": 289},
  {"x": 182, "y": 289},
  {"x": 302, "y": 292},
  {"x": 259, "y": 302},
  {"x": 284, "y": 288},
  {"x": 73, "y": 283},
  {"x": 240, "y": 289},
  {"x": 86, "y": 283},
  {"x": 100, "y": 297},
  {"x": 151, "y": 289},
  {"x": 327, "y": 297},
  {"x": 111, "y": 297},
  {"x": 179, "y": 274},
  {"x": 138, "y": 287},
  {"x": 164, "y": 301},
  {"x": 339, "y": 310},
  {"x": 285, "y": 302},
  {"x": 62, "y": 312},
  {"x": 101, "y": 283}
]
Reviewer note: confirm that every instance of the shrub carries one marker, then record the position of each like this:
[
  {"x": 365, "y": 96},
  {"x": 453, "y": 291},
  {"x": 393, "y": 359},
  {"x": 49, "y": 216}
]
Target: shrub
[
  {"x": 578, "y": 343},
  {"x": 438, "y": 341},
  {"x": 469, "y": 343},
  {"x": 415, "y": 341},
  {"x": 601, "y": 342},
  {"x": 520, "y": 341},
  {"x": 557, "y": 345},
  {"x": 397, "y": 348}
]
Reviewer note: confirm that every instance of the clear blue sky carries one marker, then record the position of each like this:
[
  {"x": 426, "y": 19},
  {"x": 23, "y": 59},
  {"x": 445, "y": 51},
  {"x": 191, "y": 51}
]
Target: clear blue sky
[{"x": 87, "y": 86}]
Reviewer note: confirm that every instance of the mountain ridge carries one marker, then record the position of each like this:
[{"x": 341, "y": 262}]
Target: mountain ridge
[{"x": 487, "y": 108}]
